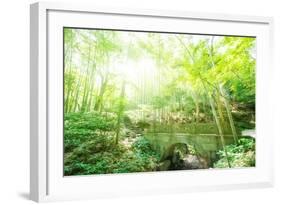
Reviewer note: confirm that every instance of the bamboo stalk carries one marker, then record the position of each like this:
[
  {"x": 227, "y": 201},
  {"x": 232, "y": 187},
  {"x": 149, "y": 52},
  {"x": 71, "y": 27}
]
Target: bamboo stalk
[
  {"x": 219, "y": 128},
  {"x": 120, "y": 112},
  {"x": 231, "y": 122}
]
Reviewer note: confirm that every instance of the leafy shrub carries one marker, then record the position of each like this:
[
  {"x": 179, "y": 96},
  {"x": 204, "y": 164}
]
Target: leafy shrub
[
  {"x": 142, "y": 145},
  {"x": 90, "y": 147},
  {"x": 82, "y": 127},
  {"x": 112, "y": 159},
  {"x": 240, "y": 155}
]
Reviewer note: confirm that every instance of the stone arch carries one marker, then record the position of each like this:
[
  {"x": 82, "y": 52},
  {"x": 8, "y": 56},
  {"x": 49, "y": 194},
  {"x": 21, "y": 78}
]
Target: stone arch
[
  {"x": 171, "y": 149},
  {"x": 165, "y": 142}
]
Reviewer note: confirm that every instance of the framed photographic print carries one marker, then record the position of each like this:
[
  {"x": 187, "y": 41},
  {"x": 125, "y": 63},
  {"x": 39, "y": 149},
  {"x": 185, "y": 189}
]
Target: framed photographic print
[{"x": 127, "y": 102}]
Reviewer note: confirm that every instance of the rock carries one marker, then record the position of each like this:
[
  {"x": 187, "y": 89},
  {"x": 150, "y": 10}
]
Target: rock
[
  {"x": 251, "y": 133},
  {"x": 194, "y": 162}
]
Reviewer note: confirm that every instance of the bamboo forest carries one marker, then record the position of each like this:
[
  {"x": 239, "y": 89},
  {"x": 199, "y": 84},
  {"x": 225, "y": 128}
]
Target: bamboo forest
[{"x": 138, "y": 101}]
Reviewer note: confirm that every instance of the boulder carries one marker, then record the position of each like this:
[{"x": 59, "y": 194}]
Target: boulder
[{"x": 194, "y": 162}]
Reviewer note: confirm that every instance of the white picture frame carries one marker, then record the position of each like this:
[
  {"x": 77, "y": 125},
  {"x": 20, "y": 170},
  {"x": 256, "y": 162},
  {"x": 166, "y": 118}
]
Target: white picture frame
[{"x": 47, "y": 182}]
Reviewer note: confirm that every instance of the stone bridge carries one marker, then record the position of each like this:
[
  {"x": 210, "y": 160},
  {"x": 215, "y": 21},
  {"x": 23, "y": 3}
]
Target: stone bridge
[{"x": 205, "y": 145}]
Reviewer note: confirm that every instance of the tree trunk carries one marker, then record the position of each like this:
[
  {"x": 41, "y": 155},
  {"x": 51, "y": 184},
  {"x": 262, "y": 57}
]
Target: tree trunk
[
  {"x": 197, "y": 109},
  {"x": 219, "y": 127},
  {"x": 98, "y": 103},
  {"x": 76, "y": 98},
  {"x": 69, "y": 90},
  {"x": 219, "y": 105},
  {"x": 228, "y": 110},
  {"x": 86, "y": 83},
  {"x": 120, "y": 112}
]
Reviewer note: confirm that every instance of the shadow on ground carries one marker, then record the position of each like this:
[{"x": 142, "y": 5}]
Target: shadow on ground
[{"x": 24, "y": 195}]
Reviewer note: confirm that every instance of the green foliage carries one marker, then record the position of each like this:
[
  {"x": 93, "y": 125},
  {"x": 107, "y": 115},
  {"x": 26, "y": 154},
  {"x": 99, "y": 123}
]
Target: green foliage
[
  {"x": 142, "y": 145},
  {"x": 90, "y": 149},
  {"x": 139, "y": 159},
  {"x": 102, "y": 157},
  {"x": 84, "y": 127},
  {"x": 119, "y": 86},
  {"x": 240, "y": 155}
]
